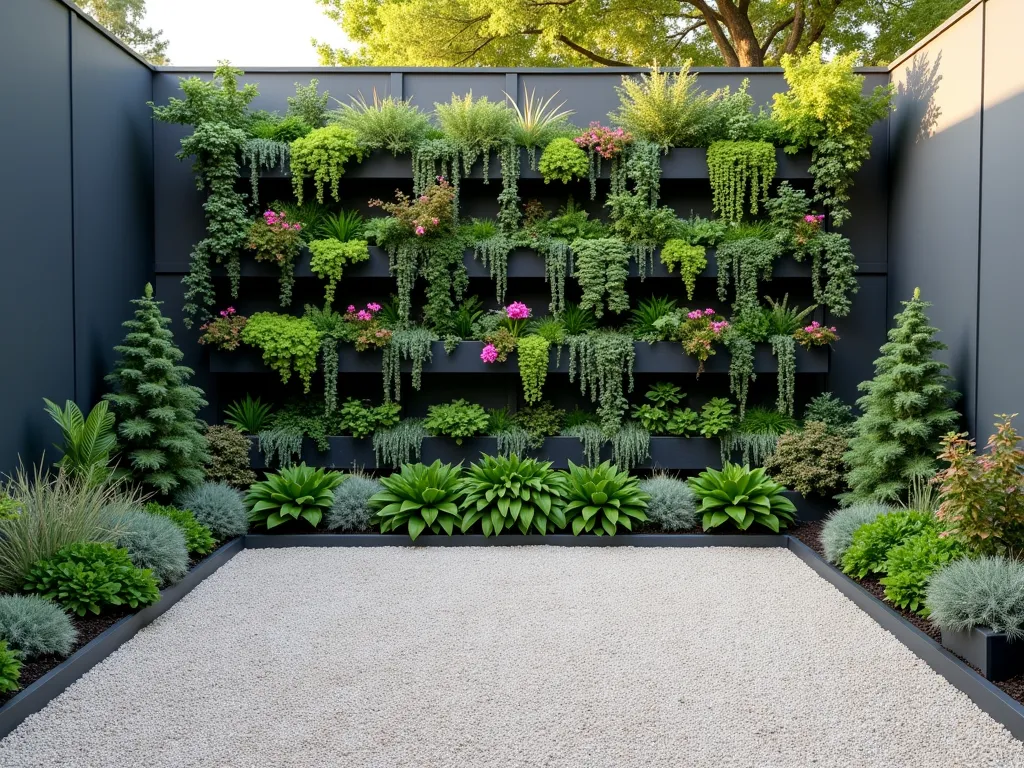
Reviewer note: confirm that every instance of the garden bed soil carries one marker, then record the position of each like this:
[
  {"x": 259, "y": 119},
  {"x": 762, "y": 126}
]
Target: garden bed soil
[
  {"x": 88, "y": 628},
  {"x": 810, "y": 534}
]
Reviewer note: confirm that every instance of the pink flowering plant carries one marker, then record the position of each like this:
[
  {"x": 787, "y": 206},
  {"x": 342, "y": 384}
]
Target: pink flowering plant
[
  {"x": 364, "y": 328},
  {"x": 225, "y": 330},
  {"x": 607, "y": 143},
  {"x": 816, "y": 335},
  {"x": 514, "y": 318},
  {"x": 274, "y": 238},
  {"x": 808, "y": 227},
  {"x": 430, "y": 214},
  {"x": 699, "y": 332}
]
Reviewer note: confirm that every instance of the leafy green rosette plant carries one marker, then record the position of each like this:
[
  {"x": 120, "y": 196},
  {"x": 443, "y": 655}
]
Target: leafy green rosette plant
[
  {"x": 420, "y": 497},
  {"x": 871, "y": 544},
  {"x": 91, "y": 577},
  {"x": 741, "y": 495},
  {"x": 506, "y": 491},
  {"x": 288, "y": 343},
  {"x": 323, "y": 153},
  {"x": 564, "y": 161},
  {"x": 601, "y": 499},
  {"x": 10, "y": 668},
  {"x": 294, "y": 492},
  {"x": 458, "y": 420}
]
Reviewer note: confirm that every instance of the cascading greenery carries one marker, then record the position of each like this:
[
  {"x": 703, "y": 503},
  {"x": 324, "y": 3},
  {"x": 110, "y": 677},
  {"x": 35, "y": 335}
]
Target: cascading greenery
[
  {"x": 756, "y": 435},
  {"x": 216, "y": 109},
  {"x": 263, "y": 154},
  {"x": 831, "y": 257},
  {"x": 601, "y": 267},
  {"x": 533, "y": 366},
  {"x": 592, "y": 438},
  {"x": 555, "y": 251},
  {"x": 602, "y": 359},
  {"x": 331, "y": 327},
  {"x": 330, "y": 257},
  {"x": 746, "y": 261},
  {"x": 432, "y": 158},
  {"x": 406, "y": 344},
  {"x": 631, "y": 446},
  {"x": 691, "y": 260},
  {"x": 741, "y": 368},
  {"x": 400, "y": 444},
  {"x": 735, "y": 167},
  {"x": 288, "y": 344},
  {"x": 323, "y": 153},
  {"x": 509, "y": 214},
  {"x": 444, "y": 273},
  {"x": 475, "y": 128},
  {"x": 635, "y": 214},
  {"x": 493, "y": 254},
  {"x": 784, "y": 349}
]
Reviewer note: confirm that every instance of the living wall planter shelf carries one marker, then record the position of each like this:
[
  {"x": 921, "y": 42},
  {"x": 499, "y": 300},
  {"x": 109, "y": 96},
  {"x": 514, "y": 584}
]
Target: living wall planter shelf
[
  {"x": 989, "y": 651},
  {"x": 523, "y": 263},
  {"x": 677, "y": 163},
  {"x": 661, "y": 357}
]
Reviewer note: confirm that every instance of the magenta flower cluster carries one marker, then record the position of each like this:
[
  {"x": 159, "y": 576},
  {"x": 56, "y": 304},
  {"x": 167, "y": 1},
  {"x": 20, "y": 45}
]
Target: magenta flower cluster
[
  {"x": 517, "y": 311},
  {"x": 698, "y": 314},
  {"x": 364, "y": 314},
  {"x": 719, "y": 326},
  {"x": 279, "y": 219},
  {"x": 227, "y": 312},
  {"x": 606, "y": 142},
  {"x": 812, "y": 219},
  {"x": 489, "y": 354}
]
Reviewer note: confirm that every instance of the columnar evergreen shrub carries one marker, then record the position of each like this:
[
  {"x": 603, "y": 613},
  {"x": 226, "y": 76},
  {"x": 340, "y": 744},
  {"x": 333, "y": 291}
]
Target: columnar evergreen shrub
[
  {"x": 155, "y": 406},
  {"x": 906, "y": 410},
  {"x": 228, "y": 461}
]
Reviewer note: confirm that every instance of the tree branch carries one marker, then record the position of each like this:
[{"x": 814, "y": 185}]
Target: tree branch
[
  {"x": 712, "y": 17},
  {"x": 590, "y": 54},
  {"x": 774, "y": 32}
]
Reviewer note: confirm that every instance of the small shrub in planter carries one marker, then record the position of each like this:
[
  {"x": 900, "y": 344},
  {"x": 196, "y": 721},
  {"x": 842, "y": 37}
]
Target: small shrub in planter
[
  {"x": 458, "y": 420},
  {"x": 837, "y": 533},
  {"x": 35, "y": 627},
  {"x": 672, "y": 505},
  {"x": 810, "y": 460},
  {"x": 351, "y": 510},
  {"x": 152, "y": 542},
  {"x": 911, "y": 564},
  {"x": 562, "y": 160},
  {"x": 986, "y": 592},
  {"x": 198, "y": 537},
  {"x": 502, "y": 492},
  {"x": 601, "y": 499},
  {"x": 219, "y": 507},
  {"x": 293, "y": 493},
  {"x": 742, "y": 496},
  {"x": 420, "y": 497},
  {"x": 228, "y": 462},
  {"x": 869, "y": 549},
  {"x": 91, "y": 577},
  {"x": 10, "y": 669}
]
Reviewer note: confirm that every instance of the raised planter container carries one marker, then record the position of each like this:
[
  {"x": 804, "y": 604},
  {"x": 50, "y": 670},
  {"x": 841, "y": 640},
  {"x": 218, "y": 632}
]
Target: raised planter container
[
  {"x": 660, "y": 357},
  {"x": 811, "y": 508},
  {"x": 989, "y": 651}
]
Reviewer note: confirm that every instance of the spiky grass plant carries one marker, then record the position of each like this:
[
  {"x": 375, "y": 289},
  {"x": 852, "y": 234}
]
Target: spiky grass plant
[
  {"x": 388, "y": 123},
  {"x": 538, "y": 122},
  {"x": 987, "y": 592}
]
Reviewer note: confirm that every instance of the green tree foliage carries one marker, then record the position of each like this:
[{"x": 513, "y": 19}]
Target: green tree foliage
[
  {"x": 614, "y": 32},
  {"x": 124, "y": 18},
  {"x": 906, "y": 410},
  {"x": 160, "y": 437}
]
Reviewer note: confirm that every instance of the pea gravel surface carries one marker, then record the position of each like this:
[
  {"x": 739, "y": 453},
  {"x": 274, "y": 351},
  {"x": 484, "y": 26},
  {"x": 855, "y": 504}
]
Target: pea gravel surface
[{"x": 505, "y": 657}]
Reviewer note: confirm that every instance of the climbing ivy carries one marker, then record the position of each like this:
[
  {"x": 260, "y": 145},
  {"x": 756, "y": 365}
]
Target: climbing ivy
[{"x": 784, "y": 348}]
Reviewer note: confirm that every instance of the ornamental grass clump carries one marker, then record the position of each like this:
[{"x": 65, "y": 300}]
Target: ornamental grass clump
[
  {"x": 152, "y": 542},
  {"x": 198, "y": 537},
  {"x": 672, "y": 505},
  {"x": 351, "y": 510},
  {"x": 388, "y": 123},
  {"x": 986, "y": 592},
  {"x": 506, "y": 492},
  {"x": 420, "y": 497},
  {"x": 841, "y": 524},
  {"x": 35, "y": 627},
  {"x": 219, "y": 507}
]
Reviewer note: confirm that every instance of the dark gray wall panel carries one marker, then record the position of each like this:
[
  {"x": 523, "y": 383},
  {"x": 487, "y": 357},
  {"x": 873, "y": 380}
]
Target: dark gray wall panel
[
  {"x": 113, "y": 197},
  {"x": 1000, "y": 343},
  {"x": 935, "y": 140},
  {"x": 861, "y": 334},
  {"x": 426, "y": 89},
  {"x": 36, "y": 278}
]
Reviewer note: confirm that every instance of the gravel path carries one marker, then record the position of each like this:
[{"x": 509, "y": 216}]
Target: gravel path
[{"x": 509, "y": 657}]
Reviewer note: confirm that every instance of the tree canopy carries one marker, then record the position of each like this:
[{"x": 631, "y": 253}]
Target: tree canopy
[
  {"x": 747, "y": 33},
  {"x": 123, "y": 18}
]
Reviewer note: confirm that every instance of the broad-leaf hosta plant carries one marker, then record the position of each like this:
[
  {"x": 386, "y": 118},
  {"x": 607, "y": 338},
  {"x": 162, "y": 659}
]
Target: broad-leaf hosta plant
[
  {"x": 506, "y": 491},
  {"x": 420, "y": 497},
  {"x": 600, "y": 499},
  {"x": 292, "y": 493},
  {"x": 743, "y": 496}
]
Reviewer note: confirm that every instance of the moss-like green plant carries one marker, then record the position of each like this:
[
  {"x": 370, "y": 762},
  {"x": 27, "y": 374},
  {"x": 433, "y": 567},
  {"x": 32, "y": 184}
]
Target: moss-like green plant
[
  {"x": 562, "y": 160},
  {"x": 330, "y": 257},
  {"x": 601, "y": 268},
  {"x": 533, "y": 366},
  {"x": 288, "y": 344},
  {"x": 323, "y": 153},
  {"x": 691, "y": 260},
  {"x": 740, "y": 173}
]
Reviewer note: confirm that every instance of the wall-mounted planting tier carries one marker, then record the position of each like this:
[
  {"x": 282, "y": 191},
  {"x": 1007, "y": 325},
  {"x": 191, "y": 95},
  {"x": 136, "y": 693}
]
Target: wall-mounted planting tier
[
  {"x": 690, "y": 454},
  {"x": 522, "y": 263},
  {"x": 678, "y": 163},
  {"x": 661, "y": 357}
]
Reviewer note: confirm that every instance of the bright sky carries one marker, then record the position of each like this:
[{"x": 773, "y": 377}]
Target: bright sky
[{"x": 245, "y": 32}]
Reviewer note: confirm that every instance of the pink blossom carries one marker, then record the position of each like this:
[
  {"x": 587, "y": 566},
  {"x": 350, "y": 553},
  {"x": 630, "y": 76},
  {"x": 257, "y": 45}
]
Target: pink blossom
[
  {"x": 351, "y": 308},
  {"x": 709, "y": 311},
  {"x": 435, "y": 221},
  {"x": 424, "y": 199},
  {"x": 489, "y": 354},
  {"x": 373, "y": 306},
  {"x": 695, "y": 315},
  {"x": 420, "y": 231},
  {"x": 364, "y": 315},
  {"x": 517, "y": 311},
  {"x": 718, "y": 327}
]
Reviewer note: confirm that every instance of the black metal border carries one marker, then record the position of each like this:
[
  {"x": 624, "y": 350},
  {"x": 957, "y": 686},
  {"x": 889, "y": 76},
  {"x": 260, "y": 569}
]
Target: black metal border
[
  {"x": 40, "y": 693},
  {"x": 285, "y": 540}
]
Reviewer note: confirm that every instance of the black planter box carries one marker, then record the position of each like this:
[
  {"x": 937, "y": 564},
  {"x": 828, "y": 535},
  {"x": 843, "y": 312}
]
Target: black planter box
[
  {"x": 810, "y": 508},
  {"x": 991, "y": 652}
]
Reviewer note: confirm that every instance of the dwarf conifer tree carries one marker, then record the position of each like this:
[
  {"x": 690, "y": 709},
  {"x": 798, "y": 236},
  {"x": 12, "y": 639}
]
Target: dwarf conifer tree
[
  {"x": 906, "y": 410},
  {"x": 156, "y": 407}
]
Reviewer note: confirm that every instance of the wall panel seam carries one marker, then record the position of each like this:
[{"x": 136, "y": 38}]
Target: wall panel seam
[
  {"x": 981, "y": 196},
  {"x": 74, "y": 200}
]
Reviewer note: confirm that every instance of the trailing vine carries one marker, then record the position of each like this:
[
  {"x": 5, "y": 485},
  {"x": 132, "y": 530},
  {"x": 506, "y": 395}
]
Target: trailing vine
[
  {"x": 592, "y": 438},
  {"x": 735, "y": 166},
  {"x": 631, "y": 446},
  {"x": 400, "y": 444},
  {"x": 691, "y": 260},
  {"x": 512, "y": 441},
  {"x": 831, "y": 258},
  {"x": 408, "y": 344},
  {"x": 331, "y": 327},
  {"x": 601, "y": 269},
  {"x": 329, "y": 258},
  {"x": 635, "y": 215},
  {"x": 509, "y": 214},
  {"x": 747, "y": 261},
  {"x": 263, "y": 154},
  {"x": 323, "y": 153},
  {"x": 280, "y": 443},
  {"x": 288, "y": 344},
  {"x": 278, "y": 241},
  {"x": 444, "y": 272},
  {"x": 493, "y": 254},
  {"x": 555, "y": 251},
  {"x": 784, "y": 349},
  {"x": 432, "y": 158},
  {"x": 741, "y": 368},
  {"x": 533, "y": 366},
  {"x": 602, "y": 359}
]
